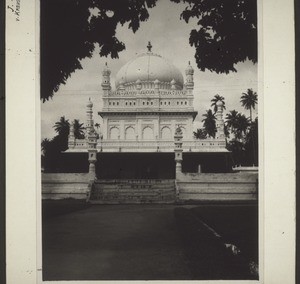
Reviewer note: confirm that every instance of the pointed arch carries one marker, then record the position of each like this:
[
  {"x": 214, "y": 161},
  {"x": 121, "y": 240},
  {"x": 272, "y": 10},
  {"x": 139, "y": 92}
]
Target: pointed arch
[
  {"x": 166, "y": 133},
  {"x": 114, "y": 133},
  {"x": 129, "y": 133},
  {"x": 148, "y": 133}
]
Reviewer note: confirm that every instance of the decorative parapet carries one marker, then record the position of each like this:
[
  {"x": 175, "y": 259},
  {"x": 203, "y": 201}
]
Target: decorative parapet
[
  {"x": 146, "y": 91},
  {"x": 193, "y": 146}
]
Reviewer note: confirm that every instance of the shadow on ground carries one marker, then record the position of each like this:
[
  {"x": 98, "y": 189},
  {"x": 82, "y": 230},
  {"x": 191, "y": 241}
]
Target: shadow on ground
[
  {"x": 145, "y": 242},
  {"x": 213, "y": 248}
]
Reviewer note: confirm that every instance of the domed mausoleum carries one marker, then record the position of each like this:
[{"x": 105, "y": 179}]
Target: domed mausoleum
[
  {"x": 149, "y": 67},
  {"x": 151, "y": 103}
]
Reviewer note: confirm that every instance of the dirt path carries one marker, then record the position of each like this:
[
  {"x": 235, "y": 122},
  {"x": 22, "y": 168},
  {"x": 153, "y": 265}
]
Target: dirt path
[{"x": 123, "y": 242}]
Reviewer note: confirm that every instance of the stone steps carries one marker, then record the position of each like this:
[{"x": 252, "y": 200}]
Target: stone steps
[{"x": 132, "y": 191}]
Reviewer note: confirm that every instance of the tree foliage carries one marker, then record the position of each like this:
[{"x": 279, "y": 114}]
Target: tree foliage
[
  {"x": 200, "y": 133},
  {"x": 62, "y": 127},
  {"x": 52, "y": 149},
  {"x": 225, "y": 33},
  {"x": 249, "y": 100},
  {"x": 244, "y": 138},
  {"x": 231, "y": 120},
  {"x": 78, "y": 129},
  {"x": 209, "y": 123},
  {"x": 237, "y": 123},
  {"x": 214, "y": 101},
  {"x": 69, "y": 33},
  {"x": 242, "y": 126},
  {"x": 251, "y": 143}
]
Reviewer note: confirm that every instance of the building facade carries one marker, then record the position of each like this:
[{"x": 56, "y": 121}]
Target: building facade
[{"x": 151, "y": 102}]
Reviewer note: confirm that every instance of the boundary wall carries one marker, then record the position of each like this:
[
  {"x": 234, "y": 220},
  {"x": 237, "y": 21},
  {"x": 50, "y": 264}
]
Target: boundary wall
[
  {"x": 65, "y": 185},
  {"x": 217, "y": 187}
]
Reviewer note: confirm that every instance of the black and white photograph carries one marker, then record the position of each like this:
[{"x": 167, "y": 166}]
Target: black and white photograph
[{"x": 150, "y": 140}]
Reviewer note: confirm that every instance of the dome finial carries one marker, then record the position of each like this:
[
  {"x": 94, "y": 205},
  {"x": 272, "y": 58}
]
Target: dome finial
[{"x": 149, "y": 46}]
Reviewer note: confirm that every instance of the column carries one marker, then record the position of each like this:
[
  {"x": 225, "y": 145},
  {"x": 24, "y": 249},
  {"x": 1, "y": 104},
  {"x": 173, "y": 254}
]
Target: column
[
  {"x": 91, "y": 139},
  {"x": 178, "y": 150},
  {"x": 92, "y": 154}
]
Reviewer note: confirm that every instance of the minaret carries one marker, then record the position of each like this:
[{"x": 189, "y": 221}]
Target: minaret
[
  {"x": 106, "y": 87},
  {"x": 219, "y": 121},
  {"x": 89, "y": 117},
  {"x": 91, "y": 141},
  {"x": 71, "y": 137},
  {"x": 189, "y": 72}
]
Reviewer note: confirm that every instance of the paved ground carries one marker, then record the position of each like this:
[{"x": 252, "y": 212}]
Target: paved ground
[
  {"x": 119, "y": 242},
  {"x": 139, "y": 242}
]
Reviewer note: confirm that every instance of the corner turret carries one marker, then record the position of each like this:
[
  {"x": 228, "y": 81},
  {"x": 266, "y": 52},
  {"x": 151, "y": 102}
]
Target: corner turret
[
  {"x": 106, "y": 78},
  {"x": 219, "y": 121},
  {"x": 189, "y": 72}
]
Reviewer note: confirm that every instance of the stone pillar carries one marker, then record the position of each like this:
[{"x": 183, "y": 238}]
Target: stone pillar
[
  {"x": 219, "y": 121},
  {"x": 71, "y": 137},
  {"x": 92, "y": 153},
  {"x": 91, "y": 139},
  {"x": 178, "y": 150}
]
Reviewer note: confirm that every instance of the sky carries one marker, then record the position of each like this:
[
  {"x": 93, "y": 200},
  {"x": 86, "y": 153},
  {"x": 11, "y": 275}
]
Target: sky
[{"x": 169, "y": 37}]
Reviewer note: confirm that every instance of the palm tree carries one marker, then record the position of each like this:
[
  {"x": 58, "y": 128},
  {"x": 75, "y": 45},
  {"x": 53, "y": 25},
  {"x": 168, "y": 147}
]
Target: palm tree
[
  {"x": 215, "y": 100},
  {"x": 237, "y": 123},
  {"x": 226, "y": 131},
  {"x": 209, "y": 123},
  {"x": 45, "y": 145},
  {"x": 251, "y": 142},
  {"x": 200, "y": 133},
  {"x": 249, "y": 100},
  {"x": 242, "y": 126},
  {"x": 97, "y": 125},
  {"x": 231, "y": 120},
  {"x": 78, "y": 129},
  {"x": 62, "y": 127}
]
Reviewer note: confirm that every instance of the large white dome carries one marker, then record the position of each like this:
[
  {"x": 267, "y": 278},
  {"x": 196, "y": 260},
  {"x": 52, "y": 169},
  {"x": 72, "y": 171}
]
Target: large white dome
[{"x": 149, "y": 67}]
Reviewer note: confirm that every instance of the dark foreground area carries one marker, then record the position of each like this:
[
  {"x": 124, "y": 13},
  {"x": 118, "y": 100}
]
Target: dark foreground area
[{"x": 149, "y": 242}]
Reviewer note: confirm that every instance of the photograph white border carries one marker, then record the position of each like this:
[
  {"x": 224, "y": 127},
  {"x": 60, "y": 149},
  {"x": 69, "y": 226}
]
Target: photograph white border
[{"x": 277, "y": 139}]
